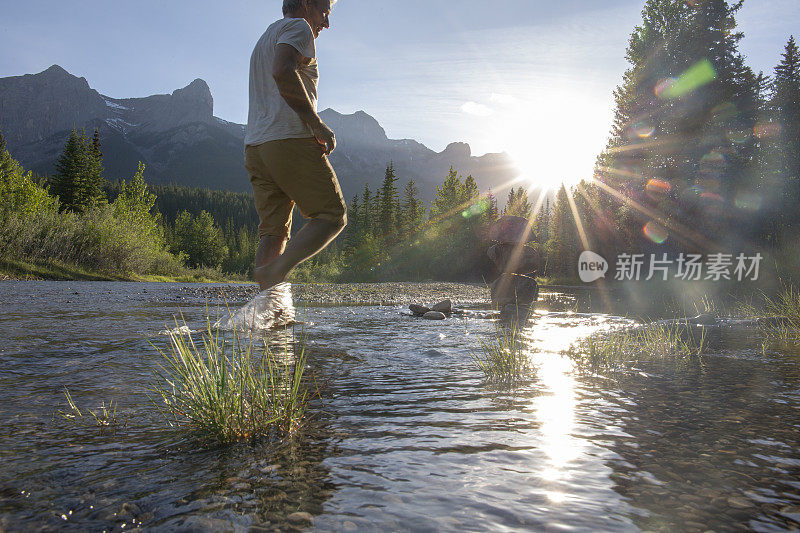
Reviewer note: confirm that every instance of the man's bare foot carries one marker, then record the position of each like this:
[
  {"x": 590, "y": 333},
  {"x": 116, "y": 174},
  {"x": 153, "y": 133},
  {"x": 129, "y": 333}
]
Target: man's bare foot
[{"x": 266, "y": 277}]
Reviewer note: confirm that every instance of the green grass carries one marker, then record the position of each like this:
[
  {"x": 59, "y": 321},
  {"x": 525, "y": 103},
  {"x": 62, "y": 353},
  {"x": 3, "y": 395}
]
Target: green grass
[
  {"x": 625, "y": 348},
  {"x": 779, "y": 315},
  {"x": 52, "y": 269},
  {"x": 33, "y": 269},
  {"x": 503, "y": 357},
  {"x": 785, "y": 306},
  {"x": 105, "y": 417},
  {"x": 232, "y": 389}
]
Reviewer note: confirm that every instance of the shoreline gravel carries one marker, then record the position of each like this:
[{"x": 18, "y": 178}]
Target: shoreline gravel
[{"x": 390, "y": 293}]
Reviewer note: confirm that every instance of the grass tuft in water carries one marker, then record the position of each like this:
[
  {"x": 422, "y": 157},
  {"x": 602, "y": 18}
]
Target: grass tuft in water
[
  {"x": 623, "y": 349},
  {"x": 778, "y": 317},
  {"x": 786, "y": 307},
  {"x": 503, "y": 357},
  {"x": 231, "y": 389},
  {"x": 105, "y": 417}
]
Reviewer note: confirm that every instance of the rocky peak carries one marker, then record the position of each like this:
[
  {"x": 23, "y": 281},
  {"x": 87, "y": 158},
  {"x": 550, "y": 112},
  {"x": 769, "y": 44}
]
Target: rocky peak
[
  {"x": 34, "y": 106},
  {"x": 162, "y": 112},
  {"x": 358, "y": 128},
  {"x": 197, "y": 94},
  {"x": 458, "y": 151}
]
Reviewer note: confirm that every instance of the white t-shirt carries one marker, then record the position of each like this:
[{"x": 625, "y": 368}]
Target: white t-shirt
[{"x": 270, "y": 118}]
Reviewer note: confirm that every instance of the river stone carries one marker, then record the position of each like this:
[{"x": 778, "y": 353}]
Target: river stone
[
  {"x": 511, "y": 230},
  {"x": 445, "y": 306},
  {"x": 525, "y": 258},
  {"x": 434, "y": 315},
  {"x": 300, "y": 518},
  {"x": 418, "y": 310},
  {"x": 705, "y": 319}
]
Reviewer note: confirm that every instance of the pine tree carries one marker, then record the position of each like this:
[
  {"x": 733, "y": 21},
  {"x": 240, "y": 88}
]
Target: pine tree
[
  {"x": 78, "y": 179},
  {"x": 94, "y": 184},
  {"x": 71, "y": 173},
  {"x": 685, "y": 113},
  {"x": 449, "y": 196},
  {"x": 367, "y": 211},
  {"x": 541, "y": 227},
  {"x": 562, "y": 245},
  {"x": 785, "y": 106},
  {"x": 492, "y": 213},
  {"x": 388, "y": 203},
  {"x": 413, "y": 210},
  {"x": 518, "y": 204},
  {"x": 470, "y": 190},
  {"x": 354, "y": 229}
]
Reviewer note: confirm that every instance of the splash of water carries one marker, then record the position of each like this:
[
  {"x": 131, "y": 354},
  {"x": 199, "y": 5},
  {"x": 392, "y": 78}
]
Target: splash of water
[{"x": 272, "y": 308}]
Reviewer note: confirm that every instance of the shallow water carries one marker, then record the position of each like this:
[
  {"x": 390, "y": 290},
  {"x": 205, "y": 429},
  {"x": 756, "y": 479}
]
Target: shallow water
[{"x": 408, "y": 437}]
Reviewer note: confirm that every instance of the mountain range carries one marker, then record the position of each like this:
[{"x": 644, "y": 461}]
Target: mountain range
[{"x": 180, "y": 140}]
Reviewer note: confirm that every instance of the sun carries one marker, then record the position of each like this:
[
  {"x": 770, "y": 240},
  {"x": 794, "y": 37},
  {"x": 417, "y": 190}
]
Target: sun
[
  {"x": 550, "y": 145},
  {"x": 545, "y": 164}
]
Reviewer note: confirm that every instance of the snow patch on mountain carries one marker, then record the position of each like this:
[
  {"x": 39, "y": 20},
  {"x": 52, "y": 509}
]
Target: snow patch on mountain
[{"x": 114, "y": 105}]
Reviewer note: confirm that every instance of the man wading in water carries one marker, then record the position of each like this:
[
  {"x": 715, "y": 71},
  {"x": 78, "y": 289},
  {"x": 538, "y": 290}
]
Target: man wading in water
[{"x": 287, "y": 144}]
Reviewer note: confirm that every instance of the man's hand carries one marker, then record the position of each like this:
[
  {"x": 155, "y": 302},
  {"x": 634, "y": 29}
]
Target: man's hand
[{"x": 325, "y": 137}]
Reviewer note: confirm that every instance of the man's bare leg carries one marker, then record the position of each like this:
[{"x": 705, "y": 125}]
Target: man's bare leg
[
  {"x": 269, "y": 247},
  {"x": 314, "y": 236}
]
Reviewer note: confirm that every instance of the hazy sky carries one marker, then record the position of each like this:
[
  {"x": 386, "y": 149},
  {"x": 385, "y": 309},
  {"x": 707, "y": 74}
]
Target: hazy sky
[{"x": 531, "y": 77}]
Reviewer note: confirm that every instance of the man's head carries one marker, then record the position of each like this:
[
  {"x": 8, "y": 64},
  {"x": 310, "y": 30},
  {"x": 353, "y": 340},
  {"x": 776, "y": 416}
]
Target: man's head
[{"x": 315, "y": 12}]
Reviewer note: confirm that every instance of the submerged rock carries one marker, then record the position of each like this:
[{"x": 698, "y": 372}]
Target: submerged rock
[
  {"x": 705, "y": 319},
  {"x": 418, "y": 310},
  {"x": 300, "y": 518},
  {"x": 445, "y": 306},
  {"x": 434, "y": 315}
]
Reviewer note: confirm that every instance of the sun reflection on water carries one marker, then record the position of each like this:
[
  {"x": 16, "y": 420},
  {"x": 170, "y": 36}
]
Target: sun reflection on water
[{"x": 555, "y": 408}]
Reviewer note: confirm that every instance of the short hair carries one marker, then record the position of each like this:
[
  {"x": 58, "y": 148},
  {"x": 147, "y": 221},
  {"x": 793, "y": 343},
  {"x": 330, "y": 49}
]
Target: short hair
[{"x": 293, "y": 5}]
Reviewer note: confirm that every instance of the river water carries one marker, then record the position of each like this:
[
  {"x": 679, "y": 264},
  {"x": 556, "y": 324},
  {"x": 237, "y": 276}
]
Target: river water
[{"x": 408, "y": 435}]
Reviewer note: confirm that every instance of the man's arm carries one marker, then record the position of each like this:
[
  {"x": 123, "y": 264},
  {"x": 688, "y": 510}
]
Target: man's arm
[{"x": 284, "y": 72}]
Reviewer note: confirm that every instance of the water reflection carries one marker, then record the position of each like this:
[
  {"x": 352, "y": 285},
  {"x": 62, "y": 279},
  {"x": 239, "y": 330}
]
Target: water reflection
[{"x": 409, "y": 436}]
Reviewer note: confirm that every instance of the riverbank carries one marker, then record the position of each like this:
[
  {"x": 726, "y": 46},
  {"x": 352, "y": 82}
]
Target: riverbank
[{"x": 18, "y": 270}]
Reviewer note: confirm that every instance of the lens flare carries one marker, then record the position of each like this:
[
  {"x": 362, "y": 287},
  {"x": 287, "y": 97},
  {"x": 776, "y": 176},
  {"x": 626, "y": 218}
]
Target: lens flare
[
  {"x": 656, "y": 232},
  {"x": 712, "y": 198},
  {"x": 700, "y": 74},
  {"x": 713, "y": 158},
  {"x": 765, "y": 130},
  {"x": 665, "y": 85},
  {"x": 643, "y": 129},
  {"x": 657, "y": 189},
  {"x": 478, "y": 208}
]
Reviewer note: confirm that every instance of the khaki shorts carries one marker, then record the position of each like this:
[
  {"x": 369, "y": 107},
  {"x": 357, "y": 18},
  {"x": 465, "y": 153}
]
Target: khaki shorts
[{"x": 288, "y": 172}]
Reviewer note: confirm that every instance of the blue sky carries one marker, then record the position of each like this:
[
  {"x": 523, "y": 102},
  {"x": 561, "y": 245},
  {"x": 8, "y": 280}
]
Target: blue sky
[{"x": 531, "y": 77}]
